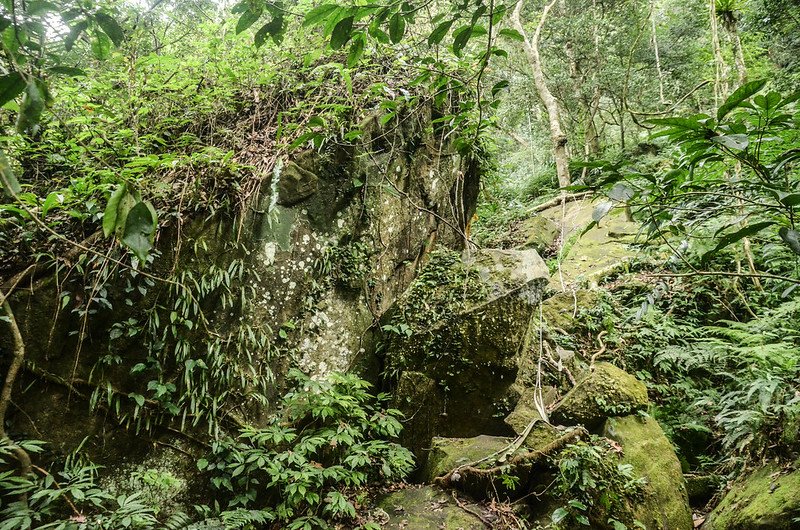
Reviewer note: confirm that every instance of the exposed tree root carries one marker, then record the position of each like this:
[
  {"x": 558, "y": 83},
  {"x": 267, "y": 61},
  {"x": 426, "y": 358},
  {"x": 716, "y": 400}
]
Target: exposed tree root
[{"x": 468, "y": 471}]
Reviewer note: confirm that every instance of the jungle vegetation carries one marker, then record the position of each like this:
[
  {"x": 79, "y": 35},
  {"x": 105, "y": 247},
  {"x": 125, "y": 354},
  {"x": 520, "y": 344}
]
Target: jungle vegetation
[{"x": 121, "y": 117}]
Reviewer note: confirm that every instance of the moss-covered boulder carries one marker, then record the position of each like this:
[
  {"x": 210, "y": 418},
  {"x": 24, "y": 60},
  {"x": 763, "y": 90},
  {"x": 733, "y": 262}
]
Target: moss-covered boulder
[
  {"x": 604, "y": 392},
  {"x": 768, "y": 499},
  {"x": 701, "y": 488},
  {"x": 463, "y": 323},
  {"x": 559, "y": 311},
  {"x": 539, "y": 232},
  {"x": 447, "y": 454},
  {"x": 426, "y": 508},
  {"x": 664, "y": 503}
]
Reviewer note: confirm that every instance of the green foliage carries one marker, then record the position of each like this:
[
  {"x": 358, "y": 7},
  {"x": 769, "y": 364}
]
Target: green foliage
[
  {"x": 738, "y": 167},
  {"x": 596, "y": 488},
  {"x": 328, "y": 439},
  {"x": 431, "y": 304}
]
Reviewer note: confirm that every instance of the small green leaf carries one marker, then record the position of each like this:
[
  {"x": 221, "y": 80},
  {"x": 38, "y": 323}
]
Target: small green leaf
[
  {"x": 247, "y": 19},
  {"x": 438, "y": 34},
  {"x": 11, "y": 86},
  {"x": 397, "y": 28},
  {"x": 791, "y": 237},
  {"x": 111, "y": 211},
  {"x": 341, "y": 33},
  {"x": 110, "y": 27}
]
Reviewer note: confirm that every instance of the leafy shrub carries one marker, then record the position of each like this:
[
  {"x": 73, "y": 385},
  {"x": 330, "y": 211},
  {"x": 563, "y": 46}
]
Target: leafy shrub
[
  {"x": 595, "y": 487},
  {"x": 328, "y": 439}
]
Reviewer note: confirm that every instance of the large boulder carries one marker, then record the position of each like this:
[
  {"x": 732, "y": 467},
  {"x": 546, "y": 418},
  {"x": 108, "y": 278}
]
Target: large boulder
[
  {"x": 768, "y": 499},
  {"x": 664, "y": 504},
  {"x": 539, "y": 233},
  {"x": 604, "y": 392},
  {"x": 426, "y": 508},
  {"x": 463, "y": 323}
]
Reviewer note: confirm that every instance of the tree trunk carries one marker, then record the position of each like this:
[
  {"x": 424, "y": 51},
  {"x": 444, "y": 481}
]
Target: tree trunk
[
  {"x": 738, "y": 51},
  {"x": 557, "y": 135},
  {"x": 661, "y": 98},
  {"x": 720, "y": 67}
]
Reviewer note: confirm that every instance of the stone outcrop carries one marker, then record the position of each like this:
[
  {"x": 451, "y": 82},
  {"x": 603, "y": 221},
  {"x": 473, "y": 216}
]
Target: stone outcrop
[
  {"x": 605, "y": 392},
  {"x": 664, "y": 502},
  {"x": 466, "y": 331},
  {"x": 766, "y": 499},
  {"x": 426, "y": 508}
]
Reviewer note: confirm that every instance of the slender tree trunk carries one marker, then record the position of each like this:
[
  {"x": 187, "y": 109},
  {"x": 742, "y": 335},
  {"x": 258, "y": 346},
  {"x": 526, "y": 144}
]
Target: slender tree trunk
[
  {"x": 738, "y": 51},
  {"x": 720, "y": 67},
  {"x": 661, "y": 98},
  {"x": 557, "y": 135}
]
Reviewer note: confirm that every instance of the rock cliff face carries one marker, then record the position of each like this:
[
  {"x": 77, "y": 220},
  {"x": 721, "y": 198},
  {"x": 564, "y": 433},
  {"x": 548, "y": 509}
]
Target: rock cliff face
[{"x": 300, "y": 277}]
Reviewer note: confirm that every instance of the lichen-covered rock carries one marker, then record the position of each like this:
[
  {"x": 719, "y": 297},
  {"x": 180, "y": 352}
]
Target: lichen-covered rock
[
  {"x": 768, "y": 499},
  {"x": 417, "y": 396},
  {"x": 539, "y": 232},
  {"x": 295, "y": 184},
  {"x": 664, "y": 504},
  {"x": 606, "y": 391},
  {"x": 426, "y": 508},
  {"x": 463, "y": 323}
]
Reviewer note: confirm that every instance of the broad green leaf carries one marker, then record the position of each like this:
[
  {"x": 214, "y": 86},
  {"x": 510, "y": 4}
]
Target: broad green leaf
[
  {"x": 397, "y": 28},
  {"x": 438, "y": 34},
  {"x": 111, "y": 212},
  {"x": 681, "y": 123},
  {"x": 741, "y": 95},
  {"x": 559, "y": 515},
  {"x": 140, "y": 230},
  {"x": 74, "y": 33},
  {"x": 499, "y": 86},
  {"x": 101, "y": 45},
  {"x": 274, "y": 28},
  {"x": 788, "y": 199},
  {"x": 341, "y": 33},
  {"x": 462, "y": 36},
  {"x": 740, "y": 234},
  {"x": 7, "y": 179},
  {"x": 39, "y": 8},
  {"x": 30, "y": 112},
  {"x": 733, "y": 141},
  {"x": 601, "y": 210},
  {"x": 11, "y": 86},
  {"x": 356, "y": 50},
  {"x": 318, "y": 14},
  {"x": 512, "y": 34},
  {"x": 247, "y": 19},
  {"x": 791, "y": 237},
  {"x": 110, "y": 27}
]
